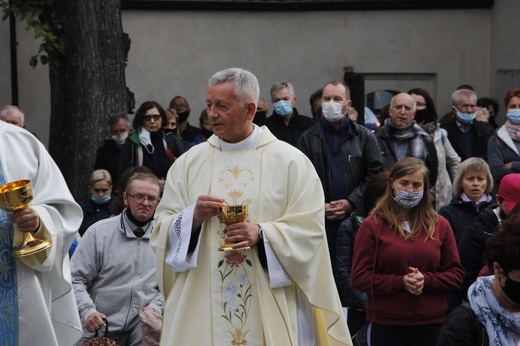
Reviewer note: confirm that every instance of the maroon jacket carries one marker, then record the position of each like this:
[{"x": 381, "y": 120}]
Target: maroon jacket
[{"x": 388, "y": 301}]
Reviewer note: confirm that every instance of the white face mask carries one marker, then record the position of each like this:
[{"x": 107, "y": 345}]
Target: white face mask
[
  {"x": 121, "y": 138},
  {"x": 332, "y": 111}
]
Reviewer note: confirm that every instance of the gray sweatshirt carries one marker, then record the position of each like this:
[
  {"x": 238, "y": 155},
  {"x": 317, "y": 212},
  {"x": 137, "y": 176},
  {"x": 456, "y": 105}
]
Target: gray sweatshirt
[{"x": 113, "y": 272}]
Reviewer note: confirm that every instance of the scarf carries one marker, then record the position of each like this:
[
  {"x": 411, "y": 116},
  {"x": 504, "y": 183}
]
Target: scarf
[
  {"x": 513, "y": 130},
  {"x": 497, "y": 320},
  {"x": 413, "y": 132},
  {"x": 146, "y": 141}
]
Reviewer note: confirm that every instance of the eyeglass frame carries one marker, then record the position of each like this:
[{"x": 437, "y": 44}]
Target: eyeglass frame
[
  {"x": 141, "y": 198},
  {"x": 148, "y": 117}
]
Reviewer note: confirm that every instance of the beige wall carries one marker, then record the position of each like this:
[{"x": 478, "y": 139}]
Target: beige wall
[{"x": 176, "y": 52}]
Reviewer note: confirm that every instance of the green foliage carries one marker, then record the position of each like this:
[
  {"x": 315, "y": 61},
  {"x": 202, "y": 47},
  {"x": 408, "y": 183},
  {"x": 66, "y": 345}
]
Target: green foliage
[{"x": 31, "y": 12}]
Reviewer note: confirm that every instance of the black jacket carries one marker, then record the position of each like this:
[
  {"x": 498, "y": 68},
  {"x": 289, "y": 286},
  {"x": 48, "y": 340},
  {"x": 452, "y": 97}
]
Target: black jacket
[
  {"x": 344, "y": 250},
  {"x": 288, "y": 133},
  {"x": 480, "y": 134},
  {"x": 462, "y": 328},
  {"x": 473, "y": 243},
  {"x": 461, "y": 214},
  {"x": 361, "y": 161},
  {"x": 107, "y": 157},
  {"x": 361, "y": 158},
  {"x": 93, "y": 213}
]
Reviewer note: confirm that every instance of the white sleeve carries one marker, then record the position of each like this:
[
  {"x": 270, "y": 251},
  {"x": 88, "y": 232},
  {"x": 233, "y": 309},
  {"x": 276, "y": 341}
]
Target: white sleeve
[
  {"x": 177, "y": 255},
  {"x": 277, "y": 275}
]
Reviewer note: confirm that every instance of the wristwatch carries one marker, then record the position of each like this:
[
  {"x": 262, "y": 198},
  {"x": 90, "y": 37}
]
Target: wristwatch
[{"x": 260, "y": 232}]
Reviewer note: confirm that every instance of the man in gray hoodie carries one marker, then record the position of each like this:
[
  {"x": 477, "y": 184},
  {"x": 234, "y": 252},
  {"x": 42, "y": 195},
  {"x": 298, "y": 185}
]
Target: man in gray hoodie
[{"x": 113, "y": 268}]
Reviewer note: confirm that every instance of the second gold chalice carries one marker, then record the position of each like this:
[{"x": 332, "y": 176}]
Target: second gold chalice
[
  {"x": 229, "y": 215},
  {"x": 15, "y": 196}
]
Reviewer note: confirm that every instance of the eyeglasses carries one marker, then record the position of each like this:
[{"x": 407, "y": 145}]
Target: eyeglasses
[
  {"x": 141, "y": 198},
  {"x": 155, "y": 117}
]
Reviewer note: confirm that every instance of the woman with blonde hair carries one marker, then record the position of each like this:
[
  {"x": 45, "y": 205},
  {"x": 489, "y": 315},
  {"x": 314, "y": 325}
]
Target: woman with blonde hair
[
  {"x": 405, "y": 260},
  {"x": 97, "y": 207},
  {"x": 471, "y": 195}
]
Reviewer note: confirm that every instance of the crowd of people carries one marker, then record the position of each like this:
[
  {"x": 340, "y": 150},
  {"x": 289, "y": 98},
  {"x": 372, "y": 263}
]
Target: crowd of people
[{"x": 408, "y": 235}]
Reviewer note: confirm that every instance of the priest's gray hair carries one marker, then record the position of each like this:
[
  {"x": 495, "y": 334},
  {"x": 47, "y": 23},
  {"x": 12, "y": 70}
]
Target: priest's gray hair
[{"x": 244, "y": 82}]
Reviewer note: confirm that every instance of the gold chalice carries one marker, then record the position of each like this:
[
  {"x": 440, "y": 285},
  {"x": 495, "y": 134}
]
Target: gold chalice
[
  {"x": 229, "y": 215},
  {"x": 14, "y": 196}
]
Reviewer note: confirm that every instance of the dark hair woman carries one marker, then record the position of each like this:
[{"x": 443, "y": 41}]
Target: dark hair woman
[{"x": 149, "y": 145}]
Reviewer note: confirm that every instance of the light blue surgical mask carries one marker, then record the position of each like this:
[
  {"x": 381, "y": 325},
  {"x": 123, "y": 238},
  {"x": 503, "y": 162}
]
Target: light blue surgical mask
[
  {"x": 408, "y": 199},
  {"x": 465, "y": 118},
  {"x": 514, "y": 116},
  {"x": 283, "y": 108},
  {"x": 101, "y": 200}
]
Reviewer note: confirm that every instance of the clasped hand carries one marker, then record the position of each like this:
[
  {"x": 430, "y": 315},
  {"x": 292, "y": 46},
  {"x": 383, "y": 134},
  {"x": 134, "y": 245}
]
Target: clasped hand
[
  {"x": 240, "y": 234},
  {"x": 336, "y": 210},
  {"x": 414, "y": 281}
]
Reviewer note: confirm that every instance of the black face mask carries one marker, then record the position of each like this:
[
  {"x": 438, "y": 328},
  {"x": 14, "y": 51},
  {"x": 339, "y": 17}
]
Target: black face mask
[
  {"x": 421, "y": 115},
  {"x": 259, "y": 117},
  {"x": 183, "y": 116},
  {"x": 512, "y": 290},
  {"x": 169, "y": 130}
]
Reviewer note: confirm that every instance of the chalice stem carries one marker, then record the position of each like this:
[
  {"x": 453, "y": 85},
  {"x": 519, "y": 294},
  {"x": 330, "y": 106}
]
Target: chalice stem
[{"x": 30, "y": 245}]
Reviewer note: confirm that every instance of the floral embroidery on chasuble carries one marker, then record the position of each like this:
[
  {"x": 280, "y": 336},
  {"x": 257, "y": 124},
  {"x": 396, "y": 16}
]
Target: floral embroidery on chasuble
[{"x": 235, "y": 302}]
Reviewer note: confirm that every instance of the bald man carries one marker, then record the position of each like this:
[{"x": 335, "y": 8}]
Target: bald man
[
  {"x": 401, "y": 137},
  {"x": 12, "y": 115}
]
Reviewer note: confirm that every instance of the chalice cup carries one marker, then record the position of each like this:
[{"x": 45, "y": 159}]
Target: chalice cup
[
  {"x": 229, "y": 215},
  {"x": 15, "y": 196}
]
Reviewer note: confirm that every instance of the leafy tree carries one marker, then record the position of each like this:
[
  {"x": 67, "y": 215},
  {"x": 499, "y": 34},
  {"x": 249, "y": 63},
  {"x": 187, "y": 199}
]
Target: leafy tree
[{"x": 86, "y": 49}]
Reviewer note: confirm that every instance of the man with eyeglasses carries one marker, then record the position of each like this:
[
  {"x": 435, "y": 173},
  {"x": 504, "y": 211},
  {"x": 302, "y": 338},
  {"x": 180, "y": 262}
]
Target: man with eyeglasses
[
  {"x": 468, "y": 136},
  {"x": 113, "y": 268}
]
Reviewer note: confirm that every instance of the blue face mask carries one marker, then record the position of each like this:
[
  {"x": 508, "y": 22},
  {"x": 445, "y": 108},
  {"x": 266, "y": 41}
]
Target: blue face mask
[
  {"x": 514, "y": 116},
  {"x": 101, "y": 200},
  {"x": 283, "y": 108},
  {"x": 465, "y": 118}
]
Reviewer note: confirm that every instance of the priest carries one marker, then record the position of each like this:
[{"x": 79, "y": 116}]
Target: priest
[
  {"x": 37, "y": 305},
  {"x": 276, "y": 287}
]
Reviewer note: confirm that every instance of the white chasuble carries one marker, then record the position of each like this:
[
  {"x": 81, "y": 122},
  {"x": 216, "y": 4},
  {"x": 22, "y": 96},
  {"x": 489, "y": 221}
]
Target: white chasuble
[
  {"x": 234, "y": 294},
  {"x": 226, "y": 298}
]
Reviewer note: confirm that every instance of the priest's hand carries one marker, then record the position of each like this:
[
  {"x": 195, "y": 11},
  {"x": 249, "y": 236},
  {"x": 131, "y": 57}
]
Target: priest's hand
[
  {"x": 26, "y": 220},
  {"x": 205, "y": 207},
  {"x": 242, "y": 234},
  {"x": 95, "y": 321}
]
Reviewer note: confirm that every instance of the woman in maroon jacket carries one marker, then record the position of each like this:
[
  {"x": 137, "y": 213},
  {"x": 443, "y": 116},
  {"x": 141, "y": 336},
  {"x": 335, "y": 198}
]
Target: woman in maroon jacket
[{"x": 405, "y": 260}]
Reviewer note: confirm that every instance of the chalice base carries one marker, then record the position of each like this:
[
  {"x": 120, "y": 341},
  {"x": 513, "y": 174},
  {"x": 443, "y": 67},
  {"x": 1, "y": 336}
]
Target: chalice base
[
  {"x": 229, "y": 247},
  {"x": 31, "y": 247}
]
